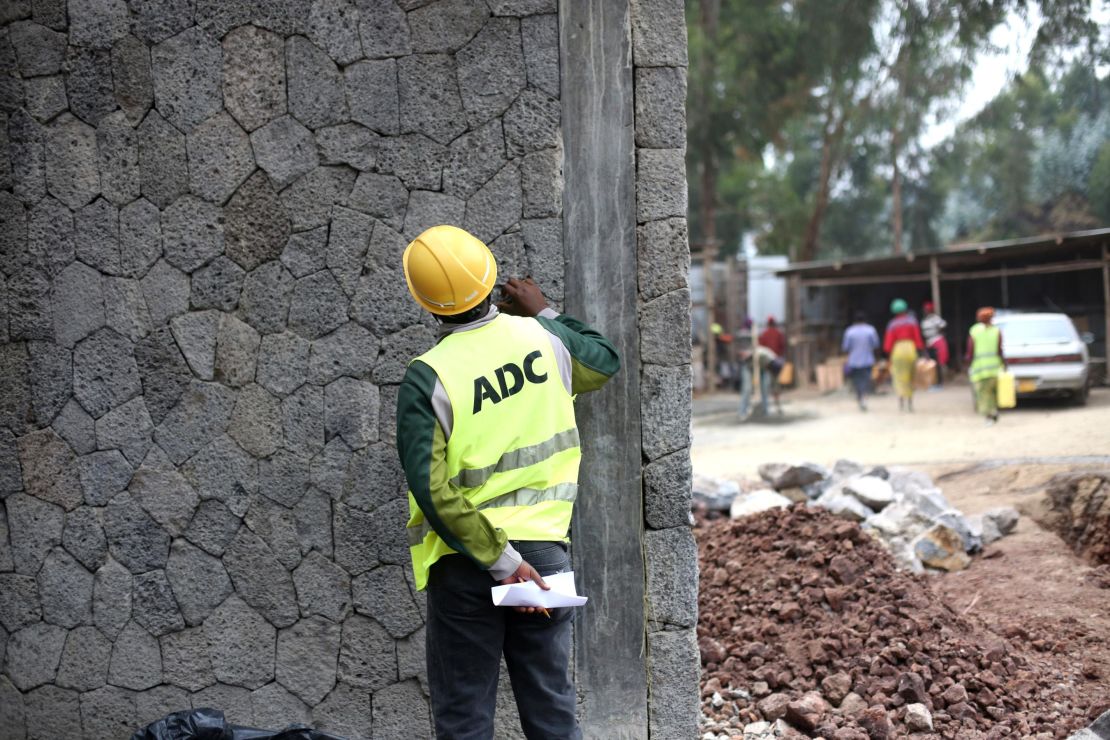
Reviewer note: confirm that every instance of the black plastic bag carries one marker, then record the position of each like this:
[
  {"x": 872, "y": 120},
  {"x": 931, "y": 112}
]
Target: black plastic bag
[{"x": 209, "y": 724}]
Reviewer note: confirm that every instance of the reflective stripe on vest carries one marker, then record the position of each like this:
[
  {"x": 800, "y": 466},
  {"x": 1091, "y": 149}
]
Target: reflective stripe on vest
[
  {"x": 986, "y": 362},
  {"x": 514, "y": 447}
]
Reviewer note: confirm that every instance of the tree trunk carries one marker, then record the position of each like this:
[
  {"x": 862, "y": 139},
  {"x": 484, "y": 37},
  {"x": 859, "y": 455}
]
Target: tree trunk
[
  {"x": 896, "y": 191},
  {"x": 834, "y": 129}
]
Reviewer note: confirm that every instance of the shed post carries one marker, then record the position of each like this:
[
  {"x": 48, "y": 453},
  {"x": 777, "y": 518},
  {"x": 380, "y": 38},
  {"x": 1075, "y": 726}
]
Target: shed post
[{"x": 934, "y": 279}]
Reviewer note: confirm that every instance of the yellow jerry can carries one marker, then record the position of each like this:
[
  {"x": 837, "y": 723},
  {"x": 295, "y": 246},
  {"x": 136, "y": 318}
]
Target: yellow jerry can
[{"x": 1007, "y": 393}]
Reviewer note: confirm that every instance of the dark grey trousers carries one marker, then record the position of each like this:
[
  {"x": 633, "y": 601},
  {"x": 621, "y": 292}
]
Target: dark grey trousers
[{"x": 466, "y": 637}]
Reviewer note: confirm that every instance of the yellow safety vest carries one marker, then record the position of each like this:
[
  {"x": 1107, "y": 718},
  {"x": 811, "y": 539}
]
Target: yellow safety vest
[
  {"x": 986, "y": 362},
  {"x": 513, "y": 450}
]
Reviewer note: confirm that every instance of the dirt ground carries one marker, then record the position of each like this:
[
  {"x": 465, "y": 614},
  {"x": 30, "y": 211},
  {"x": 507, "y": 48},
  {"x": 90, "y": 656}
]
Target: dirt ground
[{"x": 1028, "y": 586}]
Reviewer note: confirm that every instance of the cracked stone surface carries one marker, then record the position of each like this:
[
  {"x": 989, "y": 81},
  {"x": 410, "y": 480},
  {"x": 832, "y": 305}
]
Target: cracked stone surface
[
  {"x": 66, "y": 590},
  {"x": 491, "y": 69},
  {"x": 306, "y": 659},
  {"x": 351, "y": 411},
  {"x": 19, "y": 601},
  {"x": 323, "y": 588},
  {"x": 192, "y": 232},
  {"x": 89, "y": 83},
  {"x": 315, "y": 85},
  {"x": 163, "y": 163},
  {"x": 241, "y": 644},
  {"x": 103, "y": 474},
  {"x": 84, "y": 663},
  {"x": 283, "y": 362},
  {"x": 134, "y": 538},
  {"x": 222, "y": 470},
  {"x": 309, "y": 200},
  {"x": 348, "y": 143},
  {"x": 33, "y": 655},
  {"x": 72, "y": 174},
  {"x": 136, "y": 661},
  {"x": 198, "y": 580},
  {"x": 350, "y": 350},
  {"x": 164, "y": 493},
  {"x": 318, "y": 303},
  {"x": 51, "y": 379},
  {"x": 384, "y": 595},
  {"x": 195, "y": 333},
  {"x": 97, "y": 236},
  {"x": 201, "y": 414},
  {"x": 55, "y": 712},
  {"x": 217, "y": 284},
  {"x": 285, "y": 149},
  {"x": 264, "y": 302},
  {"x": 164, "y": 372},
  {"x": 302, "y": 420},
  {"x": 186, "y": 70},
  {"x": 347, "y": 241},
  {"x": 373, "y": 95},
  {"x": 104, "y": 372},
  {"x": 132, "y": 78},
  {"x": 127, "y": 428},
  {"x": 260, "y": 579},
  {"x": 429, "y": 97},
  {"x": 212, "y": 527},
  {"x": 154, "y": 604},
  {"x": 367, "y": 658},
  {"x": 125, "y": 308},
  {"x": 35, "y": 528},
  {"x": 186, "y": 661},
  {"x": 236, "y": 351},
  {"x": 117, "y": 145},
  {"x": 284, "y": 477},
  {"x": 254, "y": 76},
  {"x": 112, "y": 598},
  {"x": 220, "y": 157},
  {"x": 83, "y": 537}
]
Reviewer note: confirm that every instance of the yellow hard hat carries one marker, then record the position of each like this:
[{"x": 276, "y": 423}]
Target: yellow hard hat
[{"x": 449, "y": 270}]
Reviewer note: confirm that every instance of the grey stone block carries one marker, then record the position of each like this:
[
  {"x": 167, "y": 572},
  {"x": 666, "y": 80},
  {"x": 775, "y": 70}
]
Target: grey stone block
[
  {"x": 13, "y": 716},
  {"x": 185, "y": 660},
  {"x": 166, "y": 290},
  {"x": 381, "y": 196},
  {"x": 112, "y": 598},
  {"x": 50, "y": 13},
  {"x": 540, "y": 39},
  {"x": 661, "y": 107},
  {"x": 541, "y": 183},
  {"x": 333, "y": 26},
  {"x": 97, "y": 23},
  {"x": 257, "y": 226},
  {"x": 398, "y": 349},
  {"x": 429, "y": 96},
  {"x": 277, "y": 527},
  {"x": 350, "y": 350},
  {"x": 260, "y": 579},
  {"x": 273, "y": 706},
  {"x": 329, "y": 468},
  {"x": 323, "y": 588},
  {"x": 374, "y": 478},
  {"x": 346, "y": 251},
  {"x": 401, "y": 710},
  {"x": 235, "y": 700},
  {"x": 348, "y": 143},
  {"x": 78, "y": 304},
  {"x": 103, "y": 474},
  {"x": 355, "y": 549},
  {"x": 198, "y": 580},
  {"x": 307, "y": 654},
  {"x": 674, "y": 670},
  {"x": 660, "y": 184},
  {"x": 531, "y": 123},
  {"x": 382, "y": 302},
  {"x": 388, "y": 421},
  {"x": 667, "y": 490},
  {"x": 220, "y": 157},
  {"x": 254, "y": 76},
  {"x": 312, "y": 516},
  {"x": 192, "y": 232},
  {"x": 83, "y": 537},
  {"x": 304, "y": 253},
  {"x": 315, "y": 85},
  {"x": 33, "y": 655},
  {"x": 236, "y": 351},
  {"x": 383, "y": 594},
  {"x": 222, "y": 470},
  {"x": 134, "y": 538},
  {"x": 157, "y": 20},
  {"x": 132, "y": 78},
  {"x": 302, "y": 418},
  {"x": 46, "y": 96},
  {"x": 89, "y": 83},
  {"x": 13, "y": 239},
  {"x": 76, "y": 427},
  {"x": 19, "y": 601},
  {"x": 412, "y": 658},
  {"x": 474, "y": 158},
  {"x": 195, "y": 333},
  {"x": 84, "y": 663},
  {"x": 127, "y": 428},
  {"x": 15, "y": 393},
  {"x": 282, "y": 362},
  {"x": 665, "y": 409},
  {"x": 54, "y": 712},
  {"x": 117, "y": 146},
  {"x": 309, "y": 200},
  {"x": 386, "y": 248},
  {"x": 367, "y": 657},
  {"x": 491, "y": 70},
  {"x": 658, "y": 33},
  {"x": 51, "y": 375},
  {"x": 264, "y": 302},
  {"x": 427, "y": 209},
  {"x": 414, "y": 158},
  {"x": 136, "y": 660},
  {"x": 186, "y": 70},
  {"x": 284, "y": 477},
  {"x": 26, "y": 151},
  {"x": 155, "y": 607},
  {"x": 11, "y": 477},
  {"x": 108, "y": 712},
  {"x": 49, "y": 236},
  {"x": 663, "y": 257},
  {"x": 97, "y": 236},
  {"x": 49, "y": 469},
  {"x": 664, "y": 330},
  {"x": 446, "y": 26},
  {"x": 154, "y": 704},
  {"x": 496, "y": 206},
  {"x": 217, "y": 284},
  {"x": 522, "y": 7},
  {"x": 212, "y": 527},
  {"x": 164, "y": 371},
  {"x": 165, "y": 495},
  {"x": 351, "y": 411},
  {"x": 285, "y": 150},
  {"x": 30, "y": 311},
  {"x": 256, "y": 421},
  {"x": 6, "y": 562},
  {"x": 383, "y": 29},
  {"x": 163, "y": 163},
  {"x": 125, "y": 308},
  {"x": 373, "y": 95},
  {"x": 71, "y": 162},
  {"x": 543, "y": 243},
  {"x": 672, "y": 577},
  {"x": 66, "y": 590},
  {"x": 319, "y": 304},
  {"x": 346, "y": 711}
]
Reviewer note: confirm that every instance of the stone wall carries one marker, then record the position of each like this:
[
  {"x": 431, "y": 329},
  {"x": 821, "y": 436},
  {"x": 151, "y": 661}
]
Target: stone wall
[{"x": 203, "y": 321}]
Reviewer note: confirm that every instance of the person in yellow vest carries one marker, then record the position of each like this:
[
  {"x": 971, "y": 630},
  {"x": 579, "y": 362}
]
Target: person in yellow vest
[
  {"x": 487, "y": 438},
  {"x": 984, "y": 353}
]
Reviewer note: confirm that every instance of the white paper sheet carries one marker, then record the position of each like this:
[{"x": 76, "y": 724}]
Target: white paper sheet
[{"x": 562, "y": 593}]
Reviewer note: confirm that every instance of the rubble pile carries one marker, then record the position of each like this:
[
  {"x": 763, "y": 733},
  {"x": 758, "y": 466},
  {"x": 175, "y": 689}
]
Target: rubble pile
[
  {"x": 904, "y": 508},
  {"x": 1076, "y": 506},
  {"x": 809, "y": 629}
]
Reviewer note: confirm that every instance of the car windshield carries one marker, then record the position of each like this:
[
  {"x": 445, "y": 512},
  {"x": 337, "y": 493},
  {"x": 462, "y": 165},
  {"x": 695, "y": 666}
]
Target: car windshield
[{"x": 1036, "y": 331}]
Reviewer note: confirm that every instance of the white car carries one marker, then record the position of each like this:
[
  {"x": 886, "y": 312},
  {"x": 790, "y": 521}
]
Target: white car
[{"x": 1046, "y": 355}]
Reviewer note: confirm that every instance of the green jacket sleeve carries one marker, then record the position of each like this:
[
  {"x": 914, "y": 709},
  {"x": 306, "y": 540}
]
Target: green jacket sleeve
[
  {"x": 594, "y": 359},
  {"x": 423, "y": 451}
]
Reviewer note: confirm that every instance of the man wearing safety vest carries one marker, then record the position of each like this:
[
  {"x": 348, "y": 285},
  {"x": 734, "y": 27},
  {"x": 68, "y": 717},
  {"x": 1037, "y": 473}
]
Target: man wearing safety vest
[
  {"x": 487, "y": 438},
  {"x": 984, "y": 352}
]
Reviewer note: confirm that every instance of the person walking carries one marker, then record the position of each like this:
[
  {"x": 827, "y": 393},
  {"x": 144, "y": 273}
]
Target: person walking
[
  {"x": 773, "y": 339},
  {"x": 932, "y": 330},
  {"x": 860, "y": 342},
  {"x": 985, "y": 361},
  {"x": 488, "y": 442},
  {"x": 901, "y": 343}
]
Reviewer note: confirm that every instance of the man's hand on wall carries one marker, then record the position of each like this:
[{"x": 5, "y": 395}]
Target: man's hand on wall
[{"x": 521, "y": 298}]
